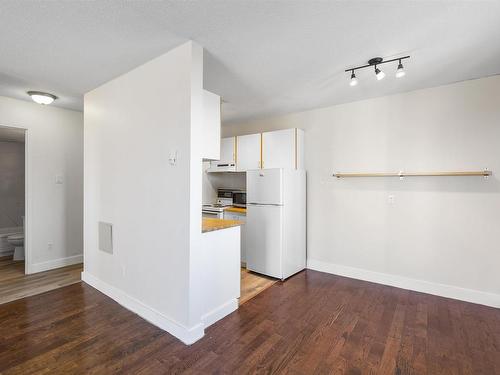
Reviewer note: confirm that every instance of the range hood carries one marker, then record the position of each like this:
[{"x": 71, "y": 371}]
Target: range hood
[{"x": 222, "y": 166}]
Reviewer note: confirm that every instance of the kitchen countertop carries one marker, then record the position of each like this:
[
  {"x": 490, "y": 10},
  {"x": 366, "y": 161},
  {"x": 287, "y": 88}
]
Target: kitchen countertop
[
  {"x": 238, "y": 210},
  {"x": 209, "y": 224}
]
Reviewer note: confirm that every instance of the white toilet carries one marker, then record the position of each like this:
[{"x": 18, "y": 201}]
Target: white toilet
[{"x": 17, "y": 240}]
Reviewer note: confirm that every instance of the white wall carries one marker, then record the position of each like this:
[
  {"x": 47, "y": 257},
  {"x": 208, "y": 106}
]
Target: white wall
[
  {"x": 442, "y": 234},
  {"x": 11, "y": 184},
  {"x": 132, "y": 124},
  {"x": 54, "y": 212}
]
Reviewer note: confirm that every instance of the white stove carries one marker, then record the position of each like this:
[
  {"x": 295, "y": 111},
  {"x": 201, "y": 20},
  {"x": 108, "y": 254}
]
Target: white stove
[
  {"x": 224, "y": 199},
  {"x": 214, "y": 210}
]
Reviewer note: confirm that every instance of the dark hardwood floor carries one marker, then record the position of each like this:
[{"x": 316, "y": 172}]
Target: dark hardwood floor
[{"x": 314, "y": 323}]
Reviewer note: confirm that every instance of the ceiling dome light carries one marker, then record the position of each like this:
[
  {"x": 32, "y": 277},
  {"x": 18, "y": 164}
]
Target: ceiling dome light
[
  {"x": 401, "y": 71},
  {"x": 380, "y": 74},
  {"x": 41, "y": 97},
  {"x": 354, "y": 80}
]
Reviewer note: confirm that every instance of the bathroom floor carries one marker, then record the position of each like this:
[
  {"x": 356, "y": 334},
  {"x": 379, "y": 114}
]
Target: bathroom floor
[{"x": 14, "y": 284}]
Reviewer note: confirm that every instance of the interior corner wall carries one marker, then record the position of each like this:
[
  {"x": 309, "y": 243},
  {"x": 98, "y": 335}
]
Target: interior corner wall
[
  {"x": 441, "y": 235},
  {"x": 54, "y": 212},
  {"x": 134, "y": 124}
]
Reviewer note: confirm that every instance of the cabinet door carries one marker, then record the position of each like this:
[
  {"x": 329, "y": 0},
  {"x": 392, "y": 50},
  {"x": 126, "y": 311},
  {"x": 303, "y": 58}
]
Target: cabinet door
[
  {"x": 243, "y": 245},
  {"x": 243, "y": 230},
  {"x": 211, "y": 126},
  {"x": 278, "y": 149},
  {"x": 227, "y": 149},
  {"x": 248, "y": 150},
  {"x": 242, "y": 217},
  {"x": 229, "y": 216}
]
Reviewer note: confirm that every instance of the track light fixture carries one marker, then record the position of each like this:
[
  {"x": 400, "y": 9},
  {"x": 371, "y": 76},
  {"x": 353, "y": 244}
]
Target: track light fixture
[{"x": 400, "y": 72}]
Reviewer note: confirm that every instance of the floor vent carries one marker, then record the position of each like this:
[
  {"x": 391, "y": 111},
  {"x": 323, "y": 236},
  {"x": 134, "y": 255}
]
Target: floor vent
[{"x": 106, "y": 237}]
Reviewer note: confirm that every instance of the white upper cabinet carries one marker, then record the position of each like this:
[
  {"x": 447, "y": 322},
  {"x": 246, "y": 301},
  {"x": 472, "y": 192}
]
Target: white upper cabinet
[
  {"x": 227, "y": 160},
  {"x": 248, "y": 152},
  {"x": 276, "y": 149},
  {"x": 279, "y": 149},
  {"x": 227, "y": 149},
  {"x": 211, "y": 126}
]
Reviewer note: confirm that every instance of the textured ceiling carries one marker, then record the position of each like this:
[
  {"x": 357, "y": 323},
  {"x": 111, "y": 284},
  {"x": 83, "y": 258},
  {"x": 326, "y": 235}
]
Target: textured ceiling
[{"x": 263, "y": 57}]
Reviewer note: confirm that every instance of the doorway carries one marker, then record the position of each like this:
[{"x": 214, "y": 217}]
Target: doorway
[
  {"x": 13, "y": 195},
  {"x": 15, "y": 254}
]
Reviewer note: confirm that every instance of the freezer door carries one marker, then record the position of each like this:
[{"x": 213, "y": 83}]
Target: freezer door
[
  {"x": 265, "y": 186},
  {"x": 264, "y": 238}
]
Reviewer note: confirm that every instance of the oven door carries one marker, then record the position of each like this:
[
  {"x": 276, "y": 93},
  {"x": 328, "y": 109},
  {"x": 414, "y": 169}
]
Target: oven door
[{"x": 212, "y": 214}]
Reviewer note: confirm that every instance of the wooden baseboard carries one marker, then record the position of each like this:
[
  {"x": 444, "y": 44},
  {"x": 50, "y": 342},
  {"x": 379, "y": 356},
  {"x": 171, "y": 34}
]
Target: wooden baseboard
[
  {"x": 442, "y": 290},
  {"x": 186, "y": 335},
  {"x": 54, "y": 263},
  {"x": 220, "y": 312},
  {"x": 6, "y": 253}
]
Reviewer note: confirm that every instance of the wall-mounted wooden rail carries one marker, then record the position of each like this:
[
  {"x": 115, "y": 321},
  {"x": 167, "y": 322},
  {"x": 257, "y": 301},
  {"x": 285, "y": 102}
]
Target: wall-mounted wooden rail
[{"x": 401, "y": 174}]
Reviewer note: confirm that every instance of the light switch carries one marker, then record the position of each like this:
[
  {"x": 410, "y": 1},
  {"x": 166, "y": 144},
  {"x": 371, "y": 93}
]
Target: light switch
[
  {"x": 172, "y": 157},
  {"x": 59, "y": 179}
]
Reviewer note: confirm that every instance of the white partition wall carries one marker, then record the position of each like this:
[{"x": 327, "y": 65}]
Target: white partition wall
[{"x": 143, "y": 162}]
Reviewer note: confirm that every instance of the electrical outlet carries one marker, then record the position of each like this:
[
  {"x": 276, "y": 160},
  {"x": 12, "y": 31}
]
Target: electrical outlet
[
  {"x": 50, "y": 246},
  {"x": 391, "y": 199}
]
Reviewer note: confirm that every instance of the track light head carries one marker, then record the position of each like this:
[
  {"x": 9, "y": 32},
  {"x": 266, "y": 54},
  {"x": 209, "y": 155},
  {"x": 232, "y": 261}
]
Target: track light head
[
  {"x": 380, "y": 74},
  {"x": 401, "y": 71},
  {"x": 354, "y": 80}
]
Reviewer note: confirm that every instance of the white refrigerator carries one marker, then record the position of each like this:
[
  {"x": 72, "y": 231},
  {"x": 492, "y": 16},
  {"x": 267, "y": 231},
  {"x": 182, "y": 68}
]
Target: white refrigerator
[{"x": 276, "y": 222}]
